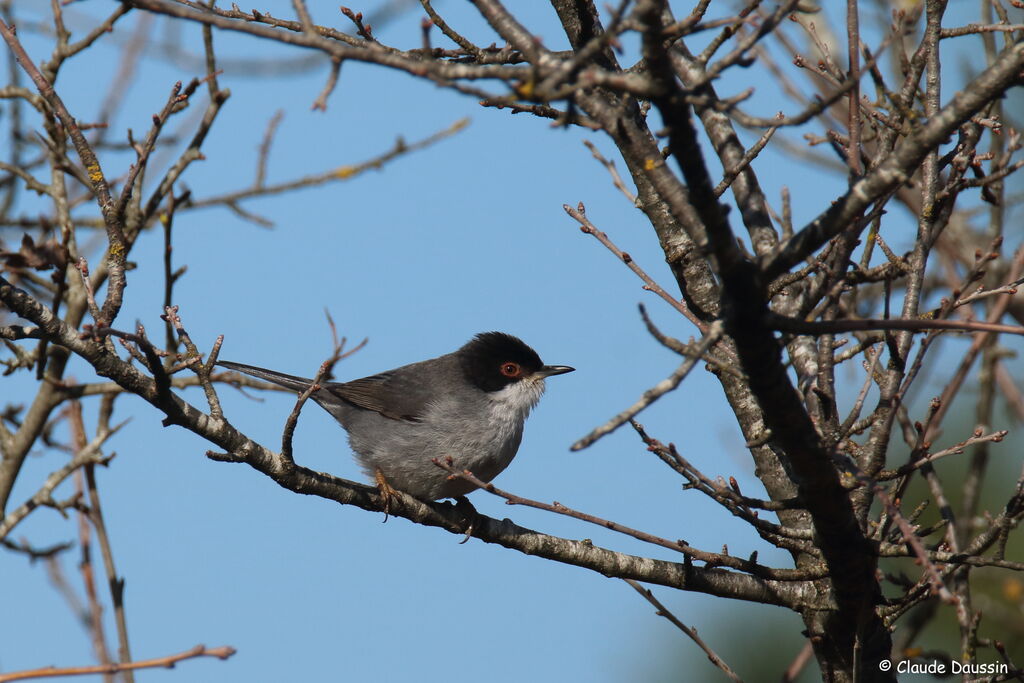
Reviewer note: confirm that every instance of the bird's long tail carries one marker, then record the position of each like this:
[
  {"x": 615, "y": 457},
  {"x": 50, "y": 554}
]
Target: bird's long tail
[{"x": 298, "y": 384}]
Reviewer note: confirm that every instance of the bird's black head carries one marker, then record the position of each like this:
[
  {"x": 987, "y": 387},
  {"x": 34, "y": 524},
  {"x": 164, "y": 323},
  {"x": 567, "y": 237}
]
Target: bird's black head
[{"x": 493, "y": 360}]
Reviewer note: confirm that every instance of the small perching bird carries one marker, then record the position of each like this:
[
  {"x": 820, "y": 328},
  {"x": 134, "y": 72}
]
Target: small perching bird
[{"x": 469, "y": 405}]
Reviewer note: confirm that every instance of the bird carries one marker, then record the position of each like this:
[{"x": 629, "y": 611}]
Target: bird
[{"x": 469, "y": 405}]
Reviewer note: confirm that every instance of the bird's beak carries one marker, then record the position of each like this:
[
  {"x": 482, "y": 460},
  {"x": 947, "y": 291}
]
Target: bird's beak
[{"x": 549, "y": 370}]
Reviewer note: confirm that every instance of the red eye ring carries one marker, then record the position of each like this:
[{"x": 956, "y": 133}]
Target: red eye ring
[{"x": 511, "y": 369}]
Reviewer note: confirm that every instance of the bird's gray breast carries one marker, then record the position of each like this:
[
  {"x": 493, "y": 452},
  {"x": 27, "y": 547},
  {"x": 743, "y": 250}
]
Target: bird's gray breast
[{"x": 480, "y": 432}]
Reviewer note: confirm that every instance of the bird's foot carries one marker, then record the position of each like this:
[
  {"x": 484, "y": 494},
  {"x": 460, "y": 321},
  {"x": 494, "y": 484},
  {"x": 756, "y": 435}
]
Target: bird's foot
[
  {"x": 387, "y": 492},
  {"x": 469, "y": 513}
]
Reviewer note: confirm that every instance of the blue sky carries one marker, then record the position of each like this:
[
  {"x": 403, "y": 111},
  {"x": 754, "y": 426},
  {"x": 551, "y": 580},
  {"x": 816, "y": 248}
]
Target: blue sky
[{"x": 464, "y": 237}]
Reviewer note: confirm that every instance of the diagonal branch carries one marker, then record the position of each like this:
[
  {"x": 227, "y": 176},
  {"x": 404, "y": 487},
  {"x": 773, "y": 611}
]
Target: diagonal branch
[
  {"x": 240, "y": 448},
  {"x": 691, "y": 633},
  {"x": 711, "y": 337}
]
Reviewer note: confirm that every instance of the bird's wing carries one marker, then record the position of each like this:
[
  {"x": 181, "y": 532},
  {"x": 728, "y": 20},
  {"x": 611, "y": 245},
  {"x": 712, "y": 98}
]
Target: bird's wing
[
  {"x": 400, "y": 394},
  {"x": 394, "y": 395}
]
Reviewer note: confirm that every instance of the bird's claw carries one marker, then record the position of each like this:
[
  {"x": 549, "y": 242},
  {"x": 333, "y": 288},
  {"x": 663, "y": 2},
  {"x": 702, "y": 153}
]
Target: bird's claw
[
  {"x": 463, "y": 505},
  {"x": 387, "y": 492}
]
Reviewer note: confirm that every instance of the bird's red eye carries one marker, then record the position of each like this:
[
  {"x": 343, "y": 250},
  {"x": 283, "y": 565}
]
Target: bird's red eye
[{"x": 511, "y": 369}]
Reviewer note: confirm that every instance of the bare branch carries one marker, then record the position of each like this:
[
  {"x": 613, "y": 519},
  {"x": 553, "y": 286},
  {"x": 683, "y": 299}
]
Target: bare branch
[
  {"x": 662, "y": 611},
  {"x": 223, "y": 652}
]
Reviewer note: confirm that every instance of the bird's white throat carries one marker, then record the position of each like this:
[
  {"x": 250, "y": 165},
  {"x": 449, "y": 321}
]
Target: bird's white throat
[{"x": 517, "y": 399}]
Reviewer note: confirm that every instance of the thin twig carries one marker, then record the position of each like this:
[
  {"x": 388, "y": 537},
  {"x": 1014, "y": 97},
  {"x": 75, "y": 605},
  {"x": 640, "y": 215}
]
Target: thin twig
[
  {"x": 453, "y": 35},
  {"x": 799, "y": 662},
  {"x": 338, "y": 353},
  {"x": 264, "y": 151},
  {"x": 730, "y": 176},
  {"x": 663, "y": 611},
  {"x": 158, "y": 662},
  {"x": 612, "y": 171},
  {"x": 347, "y": 172},
  {"x": 293, "y": 417},
  {"x": 320, "y": 104},
  {"x": 44, "y": 496},
  {"x": 94, "y": 309},
  {"x": 853, "y": 51},
  {"x": 194, "y": 359},
  {"x": 94, "y": 622},
  {"x": 579, "y": 213},
  {"x": 666, "y": 385},
  {"x": 976, "y": 438},
  {"x": 33, "y": 552},
  {"x": 115, "y": 582}
]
